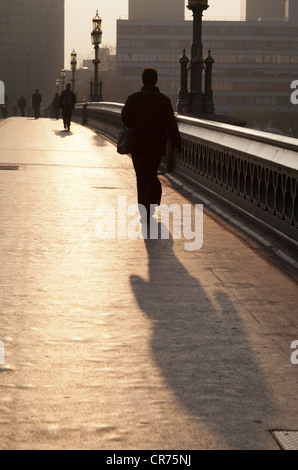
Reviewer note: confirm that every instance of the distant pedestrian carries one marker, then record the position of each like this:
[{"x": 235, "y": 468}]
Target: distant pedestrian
[
  {"x": 56, "y": 106},
  {"x": 67, "y": 104},
  {"x": 36, "y": 100},
  {"x": 4, "y": 108},
  {"x": 151, "y": 115},
  {"x": 22, "y": 103}
]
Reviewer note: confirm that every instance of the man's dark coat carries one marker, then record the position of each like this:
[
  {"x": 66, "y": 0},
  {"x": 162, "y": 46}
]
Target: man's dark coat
[{"x": 151, "y": 114}]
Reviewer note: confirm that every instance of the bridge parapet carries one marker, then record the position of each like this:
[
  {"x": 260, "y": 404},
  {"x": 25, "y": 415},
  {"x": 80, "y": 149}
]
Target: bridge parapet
[{"x": 254, "y": 170}]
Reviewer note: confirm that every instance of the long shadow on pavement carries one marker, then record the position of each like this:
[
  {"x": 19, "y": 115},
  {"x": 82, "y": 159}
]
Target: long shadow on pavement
[
  {"x": 63, "y": 133},
  {"x": 202, "y": 348}
]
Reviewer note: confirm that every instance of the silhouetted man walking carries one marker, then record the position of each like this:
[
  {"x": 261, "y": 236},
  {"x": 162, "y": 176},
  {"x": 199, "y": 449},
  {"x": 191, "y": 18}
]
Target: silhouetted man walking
[
  {"x": 151, "y": 114},
  {"x": 36, "y": 100},
  {"x": 56, "y": 106},
  {"x": 22, "y": 105},
  {"x": 67, "y": 103}
]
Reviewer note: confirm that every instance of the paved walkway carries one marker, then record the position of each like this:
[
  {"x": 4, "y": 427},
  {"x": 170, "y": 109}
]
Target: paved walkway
[{"x": 126, "y": 344}]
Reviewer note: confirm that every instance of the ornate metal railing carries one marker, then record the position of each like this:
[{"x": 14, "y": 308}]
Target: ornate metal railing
[
  {"x": 105, "y": 117},
  {"x": 256, "y": 171}
]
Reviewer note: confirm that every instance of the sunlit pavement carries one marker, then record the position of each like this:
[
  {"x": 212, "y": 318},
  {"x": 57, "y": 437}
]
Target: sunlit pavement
[{"x": 127, "y": 344}]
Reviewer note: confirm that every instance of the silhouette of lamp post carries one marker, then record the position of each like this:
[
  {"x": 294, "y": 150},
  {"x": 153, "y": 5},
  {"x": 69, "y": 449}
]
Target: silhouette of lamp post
[
  {"x": 183, "y": 101},
  {"x": 96, "y": 37},
  {"x": 73, "y": 64},
  {"x": 63, "y": 78},
  {"x": 197, "y": 63},
  {"x": 208, "y": 93}
]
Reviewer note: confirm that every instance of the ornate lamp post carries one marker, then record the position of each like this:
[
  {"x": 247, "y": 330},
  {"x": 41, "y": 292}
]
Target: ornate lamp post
[
  {"x": 197, "y": 63},
  {"x": 73, "y": 64},
  {"x": 96, "y": 37},
  {"x": 63, "y": 78}
]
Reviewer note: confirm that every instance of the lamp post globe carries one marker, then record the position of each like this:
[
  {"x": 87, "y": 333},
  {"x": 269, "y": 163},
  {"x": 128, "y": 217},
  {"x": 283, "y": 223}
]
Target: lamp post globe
[
  {"x": 96, "y": 33},
  {"x": 201, "y": 4},
  {"x": 63, "y": 74}
]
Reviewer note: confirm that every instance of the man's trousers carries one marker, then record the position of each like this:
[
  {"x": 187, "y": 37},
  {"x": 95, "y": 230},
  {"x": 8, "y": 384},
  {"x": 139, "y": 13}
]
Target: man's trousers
[{"x": 148, "y": 184}]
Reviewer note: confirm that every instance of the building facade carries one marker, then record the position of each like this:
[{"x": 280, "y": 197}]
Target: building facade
[
  {"x": 31, "y": 47},
  {"x": 149, "y": 43},
  {"x": 255, "y": 64},
  {"x": 253, "y": 10},
  {"x": 156, "y": 10},
  {"x": 292, "y": 11},
  {"x": 152, "y": 36}
]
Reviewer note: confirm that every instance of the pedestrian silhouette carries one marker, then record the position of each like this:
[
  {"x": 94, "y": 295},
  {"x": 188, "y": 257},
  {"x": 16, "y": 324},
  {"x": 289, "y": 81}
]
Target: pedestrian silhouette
[
  {"x": 4, "y": 108},
  {"x": 151, "y": 115},
  {"x": 67, "y": 103},
  {"x": 56, "y": 106},
  {"x": 22, "y": 103},
  {"x": 36, "y": 100}
]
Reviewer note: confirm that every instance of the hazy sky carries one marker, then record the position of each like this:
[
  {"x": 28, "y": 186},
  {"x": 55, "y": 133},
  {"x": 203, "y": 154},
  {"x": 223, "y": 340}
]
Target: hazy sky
[{"x": 79, "y": 14}]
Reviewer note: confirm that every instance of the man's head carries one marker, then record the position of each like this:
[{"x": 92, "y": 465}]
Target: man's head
[
  {"x": 68, "y": 86},
  {"x": 149, "y": 76}
]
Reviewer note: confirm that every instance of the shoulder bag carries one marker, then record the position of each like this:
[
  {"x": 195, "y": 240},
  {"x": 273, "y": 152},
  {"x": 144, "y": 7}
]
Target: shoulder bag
[{"x": 125, "y": 141}]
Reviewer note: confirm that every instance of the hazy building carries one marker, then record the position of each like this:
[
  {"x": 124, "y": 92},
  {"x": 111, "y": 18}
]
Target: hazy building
[
  {"x": 255, "y": 63},
  {"x": 153, "y": 35},
  {"x": 31, "y": 47},
  {"x": 107, "y": 60},
  {"x": 156, "y": 10},
  {"x": 292, "y": 10},
  {"x": 252, "y": 10},
  {"x": 156, "y": 44}
]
